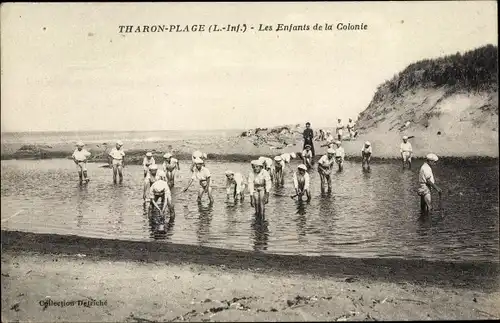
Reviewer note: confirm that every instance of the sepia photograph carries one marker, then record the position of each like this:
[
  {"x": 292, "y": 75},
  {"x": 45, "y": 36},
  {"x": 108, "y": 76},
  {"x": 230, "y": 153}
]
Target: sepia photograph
[{"x": 249, "y": 161}]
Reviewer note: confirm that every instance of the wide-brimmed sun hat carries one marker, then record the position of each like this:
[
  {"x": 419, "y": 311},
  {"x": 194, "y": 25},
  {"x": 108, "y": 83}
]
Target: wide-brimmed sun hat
[
  {"x": 302, "y": 166},
  {"x": 198, "y": 161},
  {"x": 405, "y": 137},
  {"x": 148, "y": 154},
  {"x": 80, "y": 144},
  {"x": 432, "y": 157},
  {"x": 153, "y": 167},
  {"x": 167, "y": 155},
  {"x": 119, "y": 143},
  {"x": 338, "y": 142},
  {"x": 278, "y": 158},
  {"x": 229, "y": 172},
  {"x": 330, "y": 151},
  {"x": 367, "y": 143}
]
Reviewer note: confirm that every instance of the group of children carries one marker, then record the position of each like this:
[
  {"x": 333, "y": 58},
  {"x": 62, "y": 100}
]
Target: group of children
[{"x": 159, "y": 180}]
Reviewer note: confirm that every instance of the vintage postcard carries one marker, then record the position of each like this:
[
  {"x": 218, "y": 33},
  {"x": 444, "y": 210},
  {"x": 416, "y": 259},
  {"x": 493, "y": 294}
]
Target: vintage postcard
[{"x": 249, "y": 161}]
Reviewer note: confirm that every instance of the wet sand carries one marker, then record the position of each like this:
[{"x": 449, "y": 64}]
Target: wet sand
[{"x": 161, "y": 290}]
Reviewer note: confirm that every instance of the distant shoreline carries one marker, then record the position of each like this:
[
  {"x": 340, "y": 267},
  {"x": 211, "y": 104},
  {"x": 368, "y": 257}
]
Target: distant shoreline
[{"x": 240, "y": 149}]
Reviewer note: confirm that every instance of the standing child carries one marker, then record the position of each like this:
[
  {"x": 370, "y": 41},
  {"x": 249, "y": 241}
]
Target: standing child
[{"x": 80, "y": 157}]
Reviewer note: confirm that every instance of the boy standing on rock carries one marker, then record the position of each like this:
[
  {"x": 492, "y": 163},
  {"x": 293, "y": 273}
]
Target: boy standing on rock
[
  {"x": 339, "y": 128},
  {"x": 308, "y": 136},
  {"x": 350, "y": 128},
  {"x": 80, "y": 157}
]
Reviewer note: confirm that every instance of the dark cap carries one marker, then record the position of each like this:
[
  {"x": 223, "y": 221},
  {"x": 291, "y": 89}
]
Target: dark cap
[{"x": 308, "y": 123}]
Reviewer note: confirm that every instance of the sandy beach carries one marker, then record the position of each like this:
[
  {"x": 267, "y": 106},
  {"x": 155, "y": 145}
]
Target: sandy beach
[
  {"x": 237, "y": 148},
  {"x": 191, "y": 292},
  {"x": 188, "y": 283}
]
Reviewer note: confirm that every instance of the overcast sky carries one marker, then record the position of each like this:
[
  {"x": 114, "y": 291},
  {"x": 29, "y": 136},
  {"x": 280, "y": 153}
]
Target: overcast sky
[{"x": 65, "y": 67}]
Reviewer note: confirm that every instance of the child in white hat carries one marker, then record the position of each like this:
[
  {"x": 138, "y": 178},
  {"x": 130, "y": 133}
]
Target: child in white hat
[
  {"x": 301, "y": 182},
  {"x": 170, "y": 167},
  {"x": 426, "y": 182},
  {"x": 117, "y": 161},
  {"x": 259, "y": 186},
  {"x": 325, "y": 165},
  {"x": 366, "y": 154},
  {"x": 406, "y": 152},
  {"x": 80, "y": 157},
  {"x": 235, "y": 185},
  {"x": 201, "y": 174},
  {"x": 147, "y": 161}
]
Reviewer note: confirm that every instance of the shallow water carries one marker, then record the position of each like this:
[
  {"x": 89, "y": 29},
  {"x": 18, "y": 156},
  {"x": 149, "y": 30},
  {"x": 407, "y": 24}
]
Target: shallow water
[{"x": 369, "y": 214}]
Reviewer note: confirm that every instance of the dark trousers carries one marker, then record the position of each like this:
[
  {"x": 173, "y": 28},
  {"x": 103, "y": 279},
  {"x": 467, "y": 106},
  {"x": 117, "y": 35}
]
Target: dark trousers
[{"x": 308, "y": 142}]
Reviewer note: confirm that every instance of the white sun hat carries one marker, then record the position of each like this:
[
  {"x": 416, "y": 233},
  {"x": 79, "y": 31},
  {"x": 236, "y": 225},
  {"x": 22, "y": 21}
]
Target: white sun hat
[
  {"x": 167, "y": 155},
  {"x": 153, "y": 167},
  {"x": 293, "y": 155},
  {"x": 198, "y": 161},
  {"x": 119, "y": 143},
  {"x": 229, "y": 172},
  {"x": 405, "y": 137},
  {"x": 432, "y": 157},
  {"x": 330, "y": 151},
  {"x": 367, "y": 143},
  {"x": 302, "y": 166},
  {"x": 278, "y": 158},
  {"x": 80, "y": 144},
  {"x": 160, "y": 187},
  {"x": 149, "y": 154},
  {"x": 257, "y": 163}
]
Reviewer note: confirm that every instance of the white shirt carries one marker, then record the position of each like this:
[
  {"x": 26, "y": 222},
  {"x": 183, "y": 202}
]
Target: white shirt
[
  {"x": 339, "y": 152},
  {"x": 350, "y": 125},
  {"x": 296, "y": 181},
  {"x": 170, "y": 166},
  {"x": 330, "y": 139},
  {"x": 307, "y": 154},
  {"x": 325, "y": 162},
  {"x": 238, "y": 179},
  {"x": 367, "y": 150},
  {"x": 202, "y": 175},
  {"x": 425, "y": 174},
  {"x": 405, "y": 147},
  {"x": 80, "y": 155},
  {"x": 148, "y": 162},
  {"x": 260, "y": 179},
  {"x": 286, "y": 157},
  {"x": 340, "y": 126},
  {"x": 158, "y": 188},
  {"x": 117, "y": 154}
]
